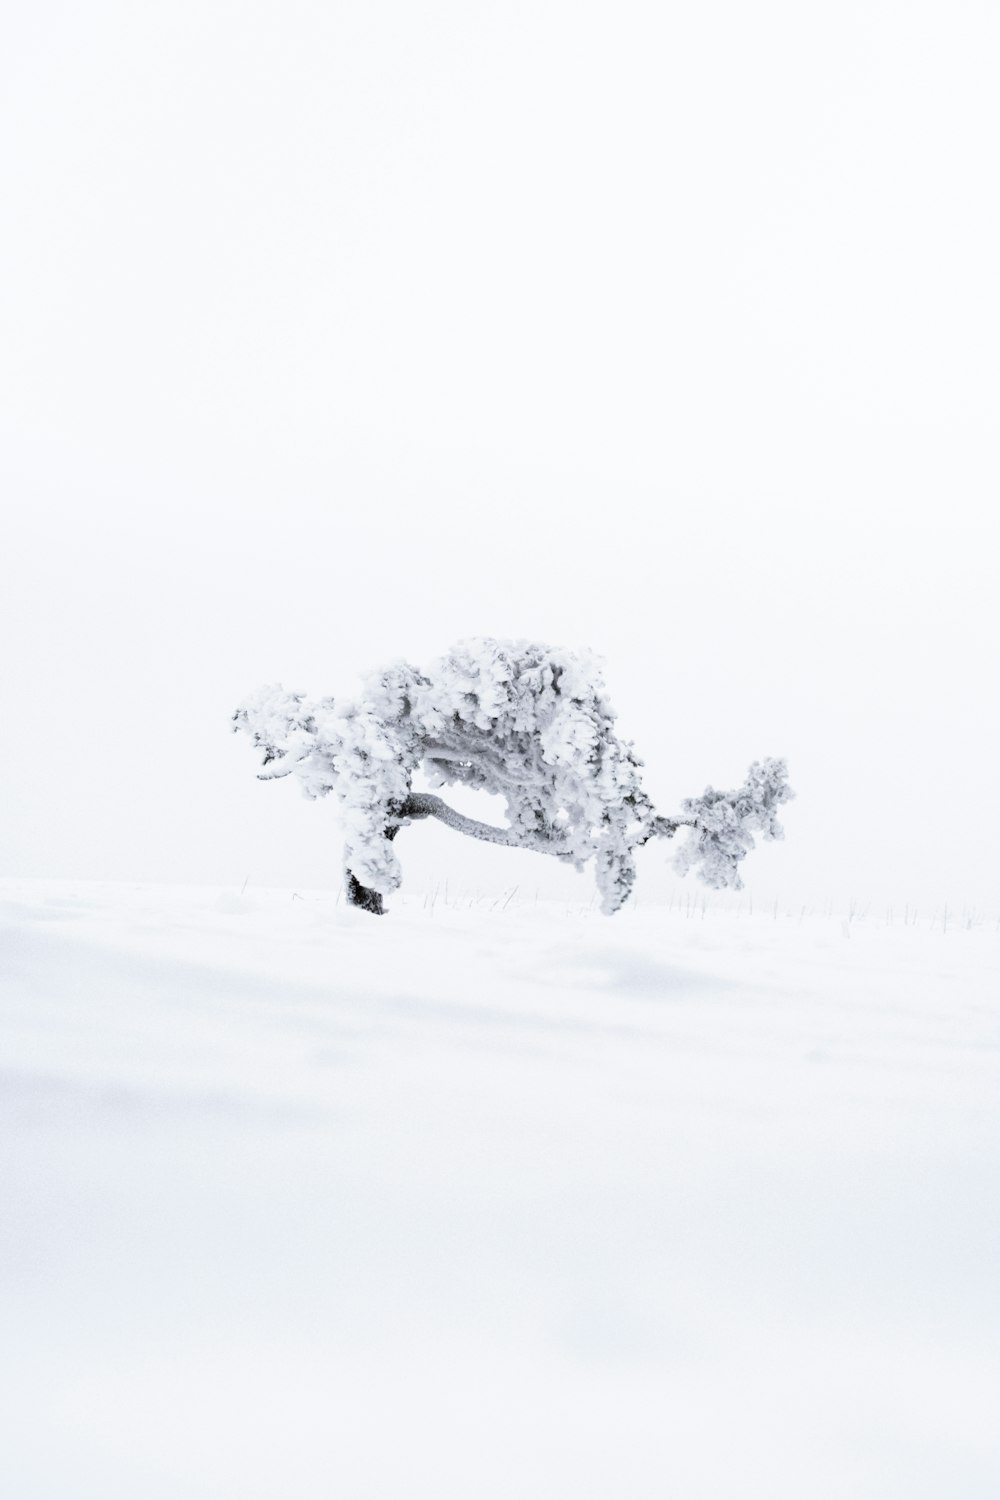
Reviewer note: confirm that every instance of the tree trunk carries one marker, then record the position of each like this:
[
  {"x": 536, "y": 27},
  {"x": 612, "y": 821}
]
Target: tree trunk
[{"x": 363, "y": 896}]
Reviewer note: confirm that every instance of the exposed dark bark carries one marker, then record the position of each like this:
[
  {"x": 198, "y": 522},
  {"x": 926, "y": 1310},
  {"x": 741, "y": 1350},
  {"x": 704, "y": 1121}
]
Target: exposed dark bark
[{"x": 362, "y": 896}]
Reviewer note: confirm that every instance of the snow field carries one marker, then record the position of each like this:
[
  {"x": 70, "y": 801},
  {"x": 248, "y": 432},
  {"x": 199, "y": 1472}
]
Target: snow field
[{"x": 493, "y": 1200}]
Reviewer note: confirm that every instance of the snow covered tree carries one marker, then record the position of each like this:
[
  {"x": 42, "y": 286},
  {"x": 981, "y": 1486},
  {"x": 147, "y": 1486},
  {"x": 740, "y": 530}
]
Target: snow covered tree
[{"x": 515, "y": 718}]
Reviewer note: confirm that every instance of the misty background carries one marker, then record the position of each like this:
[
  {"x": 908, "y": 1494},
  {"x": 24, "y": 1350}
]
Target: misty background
[{"x": 333, "y": 333}]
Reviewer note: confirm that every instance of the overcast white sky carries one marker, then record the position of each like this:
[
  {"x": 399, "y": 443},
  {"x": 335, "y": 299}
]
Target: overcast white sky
[{"x": 331, "y": 333}]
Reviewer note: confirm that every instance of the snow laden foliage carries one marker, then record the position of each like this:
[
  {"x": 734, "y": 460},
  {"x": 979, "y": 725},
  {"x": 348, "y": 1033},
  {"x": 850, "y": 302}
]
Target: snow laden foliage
[
  {"x": 722, "y": 824},
  {"x": 521, "y": 720}
]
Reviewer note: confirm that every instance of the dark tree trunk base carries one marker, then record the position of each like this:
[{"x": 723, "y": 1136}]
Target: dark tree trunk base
[{"x": 360, "y": 895}]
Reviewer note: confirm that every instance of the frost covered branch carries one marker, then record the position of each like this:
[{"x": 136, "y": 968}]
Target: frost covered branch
[
  {"x": 723, "y": 824},
  {"x": 424, "y": 805},
  {"x": 514, "y": 718}
]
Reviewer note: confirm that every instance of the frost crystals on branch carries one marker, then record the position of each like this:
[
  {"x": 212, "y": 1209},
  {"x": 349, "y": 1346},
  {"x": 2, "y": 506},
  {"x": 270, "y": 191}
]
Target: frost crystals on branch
[{"x": 515, "y": 718}]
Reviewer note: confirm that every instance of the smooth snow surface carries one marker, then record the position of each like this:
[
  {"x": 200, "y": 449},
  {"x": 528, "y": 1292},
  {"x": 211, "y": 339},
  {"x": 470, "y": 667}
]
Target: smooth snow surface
[{"x": 477, "y": 1203}]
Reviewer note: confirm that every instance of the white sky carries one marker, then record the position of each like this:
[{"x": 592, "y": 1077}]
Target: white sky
[{"x": 332, "y": 333}]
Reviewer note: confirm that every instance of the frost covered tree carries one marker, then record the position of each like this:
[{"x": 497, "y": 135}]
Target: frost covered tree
[{"x": 525, "y": 721}]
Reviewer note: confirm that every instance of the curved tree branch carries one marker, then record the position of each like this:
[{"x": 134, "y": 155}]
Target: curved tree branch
[{"x": 426, "y": 805}]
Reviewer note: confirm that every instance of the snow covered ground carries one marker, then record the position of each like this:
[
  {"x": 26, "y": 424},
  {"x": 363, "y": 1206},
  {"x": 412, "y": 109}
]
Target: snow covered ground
[{"x": 484, "y": 1200}]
